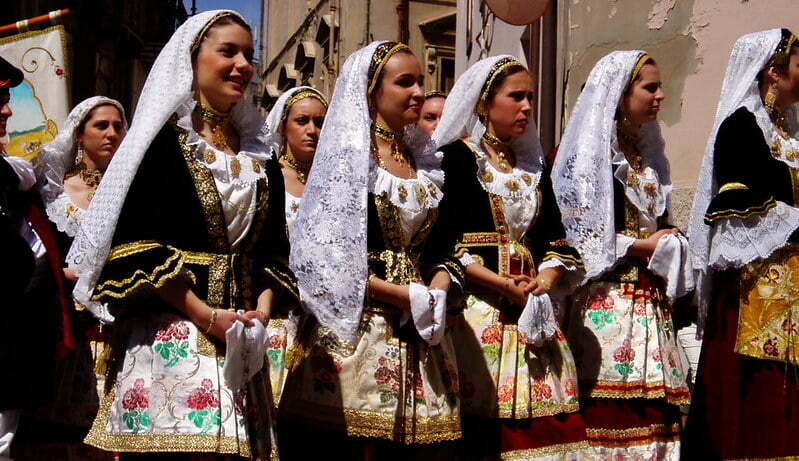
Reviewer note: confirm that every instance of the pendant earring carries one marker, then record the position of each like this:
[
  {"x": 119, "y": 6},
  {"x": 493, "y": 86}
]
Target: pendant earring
[
  {"x": 79, "y": 155},
  {"x": 770, "y": 100}
]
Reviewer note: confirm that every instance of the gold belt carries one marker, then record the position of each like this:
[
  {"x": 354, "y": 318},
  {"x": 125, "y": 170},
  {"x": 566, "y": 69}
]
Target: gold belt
[
  {"x": 219, "y": 266},
  {"x": 400, "y": 268}
]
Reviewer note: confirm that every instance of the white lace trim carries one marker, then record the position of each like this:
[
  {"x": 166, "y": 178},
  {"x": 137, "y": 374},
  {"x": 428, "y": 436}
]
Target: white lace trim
[
  {"x": 415, "y": 194},
  {"x": 623, "y": 244},
  {"x": 65, "y": 215},
  {"x": 521, "y": 182},
  {"x": 736, "y": 242}
]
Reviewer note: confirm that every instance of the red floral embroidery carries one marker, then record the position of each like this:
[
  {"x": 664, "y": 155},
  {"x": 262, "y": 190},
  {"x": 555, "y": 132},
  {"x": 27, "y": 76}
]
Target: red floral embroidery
[
  {"x": 624, "y": 353},
  {"x": 657, "y": 355},
  {"x": 505, "y": 392},
  {"x": 136, "y": 397},
  {"x": 203, "y": 397},
  {"x": 388, "y": 374},
  {"x": 173, "y": 330},
  {"x": 541, "y": 390},
  {"x": 672, "y": 360},
  {"x": 770, "y": 347},
  {"x": 491, "y": 335},
  {"x": 639, "y": 308},
  {"x": 570, "y": 388},
  {"x": 600, "y": 301},
  {"x": 277, "y": 341}
]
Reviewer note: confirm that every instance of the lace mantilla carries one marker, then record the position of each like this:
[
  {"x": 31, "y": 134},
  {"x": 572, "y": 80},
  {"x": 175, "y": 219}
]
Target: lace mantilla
[
  {"x": 582, "y": 176},
  {"x": 168, "y": 90},
  {"x": 759, "y": 234},
  {"x": 58, "y": 158}
]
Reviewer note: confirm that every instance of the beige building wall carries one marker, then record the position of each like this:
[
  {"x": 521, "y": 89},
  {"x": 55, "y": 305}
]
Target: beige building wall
[
  {"x": 297, "y": 38},
  {"x": 691, "y": 41}
]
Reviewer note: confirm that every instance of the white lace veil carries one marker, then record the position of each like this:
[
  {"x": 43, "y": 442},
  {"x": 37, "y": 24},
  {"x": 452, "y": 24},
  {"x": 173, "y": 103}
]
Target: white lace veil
[
  {"x": 168, "y": 90},
  {"x": 459, "y": 117},
  {"x": 582, "y": 176},
  {"x": 58, "y": 157},
  {"x": 749, "y": 56},
  {"x": 274, "y": 139},
  {"x": 328, "y": 240}
]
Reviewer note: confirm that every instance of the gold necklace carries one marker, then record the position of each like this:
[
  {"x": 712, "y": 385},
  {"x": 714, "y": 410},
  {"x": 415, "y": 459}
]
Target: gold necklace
[
  {"x": 393, "y": 138},
  {"x": 217, "y": 120},
  {"x": 90, "y": 177},
  {"x": 500, "y": 147},
  {"x": 302, "y": 168}
]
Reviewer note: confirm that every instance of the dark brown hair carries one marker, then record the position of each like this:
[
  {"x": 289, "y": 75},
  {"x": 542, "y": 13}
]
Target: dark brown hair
[{"x": 226, "y": 20}]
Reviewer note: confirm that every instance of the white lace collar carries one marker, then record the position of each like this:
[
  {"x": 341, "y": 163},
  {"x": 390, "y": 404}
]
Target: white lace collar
[
  {"x": 242, "y": 169},
  {"x": 521, "y": 182},
  {"x": 65, "y": 215},
  {"x": 644, "y": 190},
  {"x": 415, "y": 194}
]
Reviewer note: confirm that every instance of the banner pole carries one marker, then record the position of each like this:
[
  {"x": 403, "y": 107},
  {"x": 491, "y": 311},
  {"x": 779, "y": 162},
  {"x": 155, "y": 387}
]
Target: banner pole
[{"x": 51, "y": 18}]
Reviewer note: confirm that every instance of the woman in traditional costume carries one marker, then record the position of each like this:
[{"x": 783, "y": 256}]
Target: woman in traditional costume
[
  {"x": 499, "y": 216},
  {"x": 611, "y": 181},
  {"x": 292, "y": 129},
  {"x": 187, "y": 227},
  {"x": 376, "y": 374},
  {"x": 69, "y": 170},
  {"x": 743, "y": 244}
]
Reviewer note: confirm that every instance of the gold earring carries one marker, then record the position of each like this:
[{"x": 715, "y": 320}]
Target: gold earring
[
  {"x": 770, "y": 100},
  {"x": 79, "y": 155}
]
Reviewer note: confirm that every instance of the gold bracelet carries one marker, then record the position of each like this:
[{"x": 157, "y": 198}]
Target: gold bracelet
[
  {"x": 368, "y": 288},
  {"x": 211, "y": 322}
]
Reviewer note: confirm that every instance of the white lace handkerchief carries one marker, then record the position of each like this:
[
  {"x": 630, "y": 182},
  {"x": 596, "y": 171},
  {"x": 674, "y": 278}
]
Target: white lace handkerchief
[
  {"x": 537, "y": 323},
  {"x": 671, "y": 261},
  {"x": 244, "y": 354},
  {"x": 428, "y": 309}
]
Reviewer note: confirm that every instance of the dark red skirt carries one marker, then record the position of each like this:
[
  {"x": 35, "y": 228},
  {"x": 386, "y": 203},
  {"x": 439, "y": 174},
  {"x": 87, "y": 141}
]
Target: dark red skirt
[
  {"x": 624, "y": 423},
  {"x": 485, "y": 438},
  {"x": 743, "y": 407}
]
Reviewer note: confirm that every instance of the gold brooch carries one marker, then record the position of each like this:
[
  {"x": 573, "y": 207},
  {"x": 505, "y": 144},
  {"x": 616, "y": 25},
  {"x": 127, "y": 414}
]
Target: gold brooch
[
  {"x": 433, "y": 190},
  {"x": 403, "y": 192},
  {"x": 256, "y": 167},
  {"x": 421, "y": 195},
  {"x": 527, "y": 179},
  {"x": 487, "y": 176},
  {"x": 209, "y": 155},
  {"x": 235, "y": 167},
  {"x": 512, "y": 185}
]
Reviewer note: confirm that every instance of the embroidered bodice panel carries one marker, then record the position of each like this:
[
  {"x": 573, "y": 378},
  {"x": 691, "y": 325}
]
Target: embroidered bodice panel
[
  {"x": 292, "y": 208},
  {"x": 518, "y": 189},
  {"x": 643, "y": 190},
  {"x": 414, "y": 198}
]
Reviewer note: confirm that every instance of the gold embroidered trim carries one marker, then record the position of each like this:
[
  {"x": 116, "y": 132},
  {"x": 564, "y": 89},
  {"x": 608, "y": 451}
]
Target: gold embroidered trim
[
  {"x": 132, "y": 248},
  {"x": 633, "y": 436},
  {"x": 733, "y": 186},
  {"x": 157, "y": 278},
  {"x": 206, "y": 191},
  {"x": 746, "y": 213},
  {"x": 208, "y": 347},
  {"x": 170, "y": 443},
  {"x": 400, "y": 266},
  {"x": 781, "y": 458},
  {"x": 552, "y": 450},
  {"x": 456, "y": 268},
  {"x": 362, "y": 423},
  {"x": 551, "y": 410},
  {"x": 283, "y": 279},
  {"x": 569, "y": 259},
  {"x": 636, "y": 390}
]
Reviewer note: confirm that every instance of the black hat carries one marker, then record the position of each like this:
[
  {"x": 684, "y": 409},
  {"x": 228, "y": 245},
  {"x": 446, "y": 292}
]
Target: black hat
[{"x": 10, "y": 76}]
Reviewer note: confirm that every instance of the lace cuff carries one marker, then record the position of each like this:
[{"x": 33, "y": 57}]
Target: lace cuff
[
  {"x": 623, "y": 244},
  {"x": 671, "y": 261},
  {"x": 136, "y": 265},
  {"x": 735, "y": 242},
  {"x": 466, "y": 259}
]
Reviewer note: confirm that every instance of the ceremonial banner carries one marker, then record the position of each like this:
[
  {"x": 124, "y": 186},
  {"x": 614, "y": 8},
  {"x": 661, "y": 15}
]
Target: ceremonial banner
[{"x": 41, "y": 102}]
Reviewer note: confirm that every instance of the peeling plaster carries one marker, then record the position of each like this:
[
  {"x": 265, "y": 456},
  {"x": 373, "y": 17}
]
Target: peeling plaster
[{"x": 659, "y": 13}]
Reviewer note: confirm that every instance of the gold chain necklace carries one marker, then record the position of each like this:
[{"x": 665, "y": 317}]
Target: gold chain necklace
[
  {"x": 217, "y": 120},
  {"x": 393, "y": 138},
  {"x": 500, "y": 147},
  {"x": 302, "y": 168},
  {"x": 90, "y": 177}
]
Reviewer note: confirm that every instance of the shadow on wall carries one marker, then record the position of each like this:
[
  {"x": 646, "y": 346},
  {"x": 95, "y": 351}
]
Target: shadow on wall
[{"x": 663, "y": 28}]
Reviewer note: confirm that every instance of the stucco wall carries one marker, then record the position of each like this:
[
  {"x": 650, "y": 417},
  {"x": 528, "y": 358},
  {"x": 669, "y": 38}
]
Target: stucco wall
[{"x": 691, "y": 40}]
